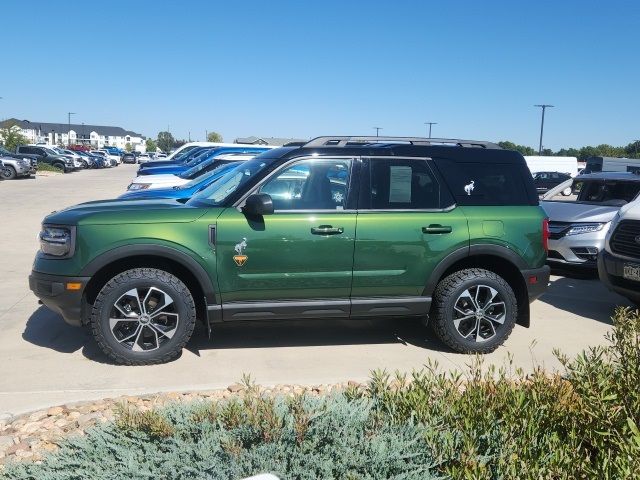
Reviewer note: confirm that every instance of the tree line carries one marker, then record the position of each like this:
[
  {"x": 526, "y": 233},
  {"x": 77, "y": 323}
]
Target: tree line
[
  {"x": 166, "y": 142},
  {"x": 632, "y": 150}
]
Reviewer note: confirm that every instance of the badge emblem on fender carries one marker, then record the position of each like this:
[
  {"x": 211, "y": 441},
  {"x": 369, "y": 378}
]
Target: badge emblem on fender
[{"x": 240, "y": 258}]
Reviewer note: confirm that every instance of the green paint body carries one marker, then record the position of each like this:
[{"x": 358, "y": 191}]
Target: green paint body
[{"x": 379, "y": 253}]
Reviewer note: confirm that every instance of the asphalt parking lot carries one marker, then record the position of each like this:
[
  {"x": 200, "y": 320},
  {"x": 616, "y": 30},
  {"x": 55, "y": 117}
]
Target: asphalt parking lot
[{"x": 45, "y": 362}]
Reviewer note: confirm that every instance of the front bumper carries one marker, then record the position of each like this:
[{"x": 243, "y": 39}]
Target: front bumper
[
  {"x": 610, "y": 272},
  {"x": 537, "y": 281},
  {"x": 52, "y": 291},
  {"x": 577, "y": 250}
]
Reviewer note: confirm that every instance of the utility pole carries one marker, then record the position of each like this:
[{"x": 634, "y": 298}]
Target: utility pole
[
  {"x": 430, "y": 125},
  {"x": 378, "y": 131},
  {"x": 69, "y": 129},
  {"x": 544, "y": 108}
]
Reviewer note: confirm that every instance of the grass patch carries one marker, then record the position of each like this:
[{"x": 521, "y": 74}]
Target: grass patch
[
  {"x": 488, "y": 424},
  {"x": 46, "y": 167}
]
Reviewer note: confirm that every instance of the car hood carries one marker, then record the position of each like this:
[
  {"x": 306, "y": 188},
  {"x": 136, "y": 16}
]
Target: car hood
[
  {"x": 166, "y": 180},
  {"x": 160, "y": 170},
  {"x": 118, "y": 212},
  {"x": 578, "y": 212},
  {"x": 159, "y": 163}
]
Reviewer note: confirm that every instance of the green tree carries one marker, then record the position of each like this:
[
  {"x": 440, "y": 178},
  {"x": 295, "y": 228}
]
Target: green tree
[
  {"x": 633, "y": 149},
  {"x": 214, "y": 137},
  {"x": 165, "y": 141},
  {"x": 523, "y": 149},
  {"x": 151, "y": 145},
  {"x": 11, "y": 137},
  {"x": 127, "y": 147}
]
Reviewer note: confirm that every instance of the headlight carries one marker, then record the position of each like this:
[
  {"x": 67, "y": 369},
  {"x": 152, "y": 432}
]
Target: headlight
[
  {"x": 57, "y": 241},
  {"x": 139, "y": 186},
  {"x": 580, "y": 228}
]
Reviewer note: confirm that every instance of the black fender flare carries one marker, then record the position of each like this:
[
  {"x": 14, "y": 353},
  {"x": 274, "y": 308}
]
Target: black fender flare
[
  {"x": 471, "y": 251},
  {"x": 155, "y": 250}
]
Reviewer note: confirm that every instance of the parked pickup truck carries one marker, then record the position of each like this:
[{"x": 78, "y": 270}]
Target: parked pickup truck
[{"x": 15, "y": 165}]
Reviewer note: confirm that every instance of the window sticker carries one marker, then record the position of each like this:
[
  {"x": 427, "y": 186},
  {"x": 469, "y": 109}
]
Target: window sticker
[{"x": 399, "y": 184}]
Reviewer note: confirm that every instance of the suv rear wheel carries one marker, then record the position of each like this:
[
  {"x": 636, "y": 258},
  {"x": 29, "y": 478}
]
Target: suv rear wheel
[
  {"x": 474, "y": 311},
  {"x": 143, "y": 316}
]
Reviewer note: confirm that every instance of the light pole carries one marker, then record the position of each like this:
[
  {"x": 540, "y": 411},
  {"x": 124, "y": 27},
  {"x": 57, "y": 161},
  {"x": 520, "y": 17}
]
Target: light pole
[
  {"x": 69, "y": 127},
  {"x": 430, "y": 125},
  {"x": 378, "y": 131},
  {"x": 544, "y": 108}
]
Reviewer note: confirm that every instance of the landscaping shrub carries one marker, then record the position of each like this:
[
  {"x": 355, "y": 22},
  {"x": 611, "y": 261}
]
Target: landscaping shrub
[
  {"x": 494, "y": 424},
  {"x": 46, "y": 167}
]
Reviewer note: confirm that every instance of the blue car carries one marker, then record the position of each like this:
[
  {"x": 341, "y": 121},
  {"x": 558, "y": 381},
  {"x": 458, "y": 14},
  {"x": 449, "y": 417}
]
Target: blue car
[
  {"x": 180, "y": 159},
  {"x": 185, "y": 191},
  {"x": 198, "y": 159}
]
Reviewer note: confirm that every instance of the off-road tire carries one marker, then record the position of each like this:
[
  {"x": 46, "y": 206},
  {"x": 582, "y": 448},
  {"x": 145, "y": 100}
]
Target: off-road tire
[
  {"x": 447, "y": 293},
  {"x": 8, "y": 172},
  {"x": 140, "y": 278}
]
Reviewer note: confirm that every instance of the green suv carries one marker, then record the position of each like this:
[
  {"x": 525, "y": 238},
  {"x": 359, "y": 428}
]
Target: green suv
[{"x": 341, "y": 227}]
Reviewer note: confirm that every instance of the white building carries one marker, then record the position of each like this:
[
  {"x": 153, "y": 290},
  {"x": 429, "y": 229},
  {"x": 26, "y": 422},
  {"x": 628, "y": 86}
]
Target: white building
[{"x": 96, "y": 136}]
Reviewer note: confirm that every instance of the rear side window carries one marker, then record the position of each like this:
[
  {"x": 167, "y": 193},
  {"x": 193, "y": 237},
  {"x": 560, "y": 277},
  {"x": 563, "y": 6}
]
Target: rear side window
[
  {"x": 488, "y": 183},
  {"x": 403, "y": 184}
]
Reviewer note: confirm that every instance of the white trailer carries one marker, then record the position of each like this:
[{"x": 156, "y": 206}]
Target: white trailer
[{"x": 568, "y": 165}]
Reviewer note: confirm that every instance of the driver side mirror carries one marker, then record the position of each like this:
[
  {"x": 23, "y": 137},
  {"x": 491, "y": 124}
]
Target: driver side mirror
[{"x": 258, "y": 205}]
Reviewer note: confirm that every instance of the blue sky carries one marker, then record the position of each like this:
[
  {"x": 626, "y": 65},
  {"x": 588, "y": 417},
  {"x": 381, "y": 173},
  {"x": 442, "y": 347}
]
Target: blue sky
[{"x": 302, "y": 69}]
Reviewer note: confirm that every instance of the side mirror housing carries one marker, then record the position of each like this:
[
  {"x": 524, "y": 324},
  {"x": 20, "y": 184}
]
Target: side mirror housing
[{"x": 258, "y": 205}]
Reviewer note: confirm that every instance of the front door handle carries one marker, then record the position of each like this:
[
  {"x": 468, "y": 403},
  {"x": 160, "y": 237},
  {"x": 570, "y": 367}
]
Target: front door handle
[
  {"x": 435, "y": 228},
  {"x": 327, "y": 230}
]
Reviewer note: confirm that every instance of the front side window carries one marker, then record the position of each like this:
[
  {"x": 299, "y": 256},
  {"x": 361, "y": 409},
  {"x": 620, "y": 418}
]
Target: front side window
[
  {"x": 403, "y": 184},
  {"x": 310, "y": 185}
]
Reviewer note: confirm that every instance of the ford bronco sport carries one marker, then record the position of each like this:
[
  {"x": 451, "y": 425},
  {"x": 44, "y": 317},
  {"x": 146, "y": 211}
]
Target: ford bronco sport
[{"x": 341, "y": 227}]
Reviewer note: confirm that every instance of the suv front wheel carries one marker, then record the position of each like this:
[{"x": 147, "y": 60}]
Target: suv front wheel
[
  {"x": 143, "y": 316},
  {"x": 474, "y": 311}
]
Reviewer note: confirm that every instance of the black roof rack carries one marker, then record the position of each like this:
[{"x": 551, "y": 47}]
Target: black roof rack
[{"x": 341, "y": 141}]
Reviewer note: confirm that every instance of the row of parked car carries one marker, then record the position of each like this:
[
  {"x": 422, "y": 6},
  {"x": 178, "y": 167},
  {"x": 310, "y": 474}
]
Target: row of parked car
[{"x": 24, "y": 161}]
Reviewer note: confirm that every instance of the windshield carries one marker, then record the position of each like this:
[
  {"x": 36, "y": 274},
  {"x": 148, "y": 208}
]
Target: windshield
[
  {"x": 606, "y": 191},
  {"x": 4, "y": 151},
  {"x": 183, "y": 152},
  {"x": 199, "y": 157},
  {"x": 216, "y": 172},
  {"x": 220, "y": 190}
]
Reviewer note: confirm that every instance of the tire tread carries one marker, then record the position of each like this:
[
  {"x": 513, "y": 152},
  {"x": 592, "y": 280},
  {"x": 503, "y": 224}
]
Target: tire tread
[
  {"x": 439, "y": 316},
  {"x": 133, "y": 275}
]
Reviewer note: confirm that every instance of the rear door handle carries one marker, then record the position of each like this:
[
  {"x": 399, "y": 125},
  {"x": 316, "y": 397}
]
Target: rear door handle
[
  {"x": 435, "y": 228},
  {"x": 327, "y": 230}
]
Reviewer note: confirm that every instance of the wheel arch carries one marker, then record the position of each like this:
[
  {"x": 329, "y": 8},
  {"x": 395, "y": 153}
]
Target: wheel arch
[
  {"x": 495, "y": 258},
  {"x": 113, "y": 262}
]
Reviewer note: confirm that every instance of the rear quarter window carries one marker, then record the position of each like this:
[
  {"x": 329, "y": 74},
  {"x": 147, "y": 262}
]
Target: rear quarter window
[{"x": 488, "y": 183}]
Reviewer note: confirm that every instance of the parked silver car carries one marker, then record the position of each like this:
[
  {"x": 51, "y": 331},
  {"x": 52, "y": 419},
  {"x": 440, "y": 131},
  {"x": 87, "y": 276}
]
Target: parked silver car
[{"x": 579, "y": 224}]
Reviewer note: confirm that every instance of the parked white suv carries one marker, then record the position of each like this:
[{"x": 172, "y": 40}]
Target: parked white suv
[
  {"x": 115, "y": 159},
  {"x": 619, "y": 262}
]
